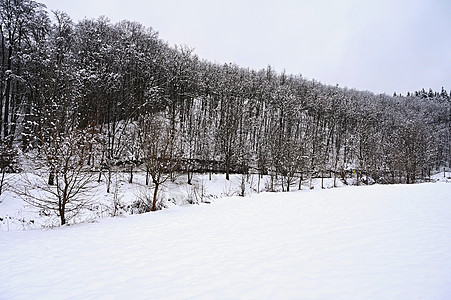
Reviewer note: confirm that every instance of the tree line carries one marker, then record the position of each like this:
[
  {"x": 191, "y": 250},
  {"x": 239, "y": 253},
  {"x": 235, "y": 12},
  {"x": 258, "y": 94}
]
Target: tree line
[{"x": 102, "y": 95}]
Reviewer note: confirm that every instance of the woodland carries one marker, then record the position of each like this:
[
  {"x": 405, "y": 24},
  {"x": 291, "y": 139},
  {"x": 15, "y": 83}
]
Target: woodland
[{"x": 87, "y": 99}]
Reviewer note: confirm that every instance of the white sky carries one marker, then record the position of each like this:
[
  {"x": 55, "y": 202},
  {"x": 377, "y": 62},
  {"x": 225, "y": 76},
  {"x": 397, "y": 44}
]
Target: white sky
[{"x": 380, "y": 46}]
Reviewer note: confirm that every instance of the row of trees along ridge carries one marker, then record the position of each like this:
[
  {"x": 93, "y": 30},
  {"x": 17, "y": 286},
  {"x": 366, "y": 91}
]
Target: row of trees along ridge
[{"x": 129, "y": 99}]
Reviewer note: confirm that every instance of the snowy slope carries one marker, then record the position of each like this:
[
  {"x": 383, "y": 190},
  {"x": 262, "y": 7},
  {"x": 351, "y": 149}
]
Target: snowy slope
[
  {"x": 15, "y": 214},
  {"x": 377, "y": 242}
]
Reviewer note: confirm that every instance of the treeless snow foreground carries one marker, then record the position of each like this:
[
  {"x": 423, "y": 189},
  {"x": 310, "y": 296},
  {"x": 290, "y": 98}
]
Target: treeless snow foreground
[{"x": 377, "y": 242}]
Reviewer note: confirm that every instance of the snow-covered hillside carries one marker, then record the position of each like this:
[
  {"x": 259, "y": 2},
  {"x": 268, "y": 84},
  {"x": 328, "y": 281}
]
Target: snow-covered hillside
[
  {"x": 15, "y": 214},
  {"x": 376, "y": 242}
]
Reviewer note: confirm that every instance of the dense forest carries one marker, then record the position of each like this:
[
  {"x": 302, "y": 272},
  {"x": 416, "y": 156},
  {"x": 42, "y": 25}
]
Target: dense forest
[{"x": 97, "y": 96}]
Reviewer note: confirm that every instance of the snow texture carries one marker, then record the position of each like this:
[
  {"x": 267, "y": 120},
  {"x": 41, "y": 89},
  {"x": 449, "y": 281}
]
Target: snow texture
[{"x": 375, "y": 242}]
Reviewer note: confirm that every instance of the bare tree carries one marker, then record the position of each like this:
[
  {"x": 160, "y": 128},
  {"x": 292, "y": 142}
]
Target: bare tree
[
  {"x": 66, "y": 158},
  {"x": 160, "y": 155}
]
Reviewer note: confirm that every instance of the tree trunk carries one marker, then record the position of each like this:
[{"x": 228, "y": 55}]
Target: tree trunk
[
  {"x": 258, "y": 184},
  {"x": 2, "y": 180},
  {"x": 62, "y": 211},
  {"x": 108, "y": 184},
  {"x": 7, "y": 95},
  {"x": 62, "y": 217},
  {"x": 227, "y": 172},
  {"x": 155, "y": 192},
  {"x": 300, "y": 182},
  {"x": 272, "y": 183},
  {"x": 51, "y": 180},
  {"x": 190, "y": 176},
  {"x": 6, "y": 110}
]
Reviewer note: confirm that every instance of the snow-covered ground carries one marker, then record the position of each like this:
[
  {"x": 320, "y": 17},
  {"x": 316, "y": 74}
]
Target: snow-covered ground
[{"x": 369, "y": 242}]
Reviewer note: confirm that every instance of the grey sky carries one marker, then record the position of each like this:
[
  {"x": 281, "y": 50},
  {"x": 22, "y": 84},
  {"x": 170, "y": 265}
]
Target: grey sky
[{"x": 380, "y": 46}]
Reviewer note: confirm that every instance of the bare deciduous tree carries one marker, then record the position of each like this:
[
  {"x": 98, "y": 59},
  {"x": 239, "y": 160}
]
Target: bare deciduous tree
[
  {"x": 160, "y": 155},
  {"x": 66, "y": 158}
]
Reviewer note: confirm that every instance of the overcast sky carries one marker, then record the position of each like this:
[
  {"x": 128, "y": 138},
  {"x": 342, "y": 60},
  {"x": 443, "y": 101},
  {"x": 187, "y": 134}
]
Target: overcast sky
[{"x": 380, "y": 46}]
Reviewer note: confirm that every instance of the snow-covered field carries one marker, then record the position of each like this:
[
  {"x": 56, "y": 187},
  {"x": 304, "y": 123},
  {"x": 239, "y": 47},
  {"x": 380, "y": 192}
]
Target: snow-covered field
[{"x": 375, "y": 242}]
